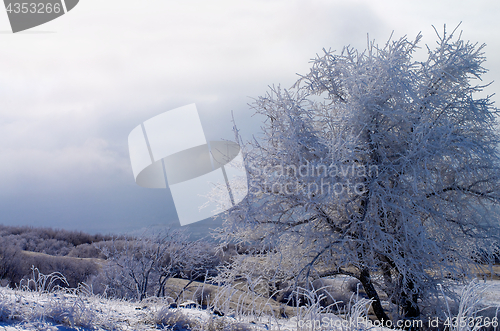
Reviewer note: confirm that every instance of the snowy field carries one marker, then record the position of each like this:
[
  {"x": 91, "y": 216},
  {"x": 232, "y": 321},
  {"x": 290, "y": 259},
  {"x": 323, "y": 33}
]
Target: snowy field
[
  {"x": 38, "y": 310},
  {"x": 24, "y": 310}
]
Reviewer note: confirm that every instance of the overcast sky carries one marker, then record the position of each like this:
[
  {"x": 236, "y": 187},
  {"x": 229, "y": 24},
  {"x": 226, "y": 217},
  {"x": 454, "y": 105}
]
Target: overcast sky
[{"x": 71, "y": 90}]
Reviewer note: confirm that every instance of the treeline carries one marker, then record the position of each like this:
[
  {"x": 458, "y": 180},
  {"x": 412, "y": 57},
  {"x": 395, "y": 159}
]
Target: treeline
[
  {"x": 50, "y": 241},
  {"x": 72, "y": 253},
  {"x": 117, "y": 266}
]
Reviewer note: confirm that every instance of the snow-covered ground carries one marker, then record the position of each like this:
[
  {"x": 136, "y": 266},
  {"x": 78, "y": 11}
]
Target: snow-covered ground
[
  {"x": 491, "y": 295},
  {"x": 31, "y": 310},
  {"x": 25, "y": 310}
]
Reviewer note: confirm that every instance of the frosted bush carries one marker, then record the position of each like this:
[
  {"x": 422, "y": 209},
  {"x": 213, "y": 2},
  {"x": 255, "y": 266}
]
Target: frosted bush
[
  {"x": 470, "y": 315},
  {"x": 6, "y": 308},
  {"x": 175, "y": 319},
  {"x": 70, "y": 310},
  {"x": 42, "y": 283}
]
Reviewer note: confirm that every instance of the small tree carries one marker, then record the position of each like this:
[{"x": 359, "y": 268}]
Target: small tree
[
  {"x": 141, "y": 260},
  {"x": 144, "y": 265},
  {"x": 137, "y": 259},
  {"x": 379, "y": 167},
  {"x": 185, "y": 259}
]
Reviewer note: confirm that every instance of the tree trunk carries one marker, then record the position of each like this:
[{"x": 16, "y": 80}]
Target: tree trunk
[
  {"x": 366, "y": 281},
  {"x": 161, "y": 288},
  {"x": 411, "y": 311}
]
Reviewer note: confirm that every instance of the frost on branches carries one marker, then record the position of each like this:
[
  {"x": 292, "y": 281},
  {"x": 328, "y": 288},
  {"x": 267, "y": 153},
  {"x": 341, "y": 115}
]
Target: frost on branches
[{"x": 376, "y": 166}]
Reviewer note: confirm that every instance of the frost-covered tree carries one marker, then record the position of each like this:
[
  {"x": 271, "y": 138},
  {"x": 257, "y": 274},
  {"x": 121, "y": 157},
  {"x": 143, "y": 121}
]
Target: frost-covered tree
[
  {"x": 137, "y": 260},
  {"x": 193, "y": 260},
  {"x": 142, "y": 266},
  {"x": 377, "y": 166}
]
